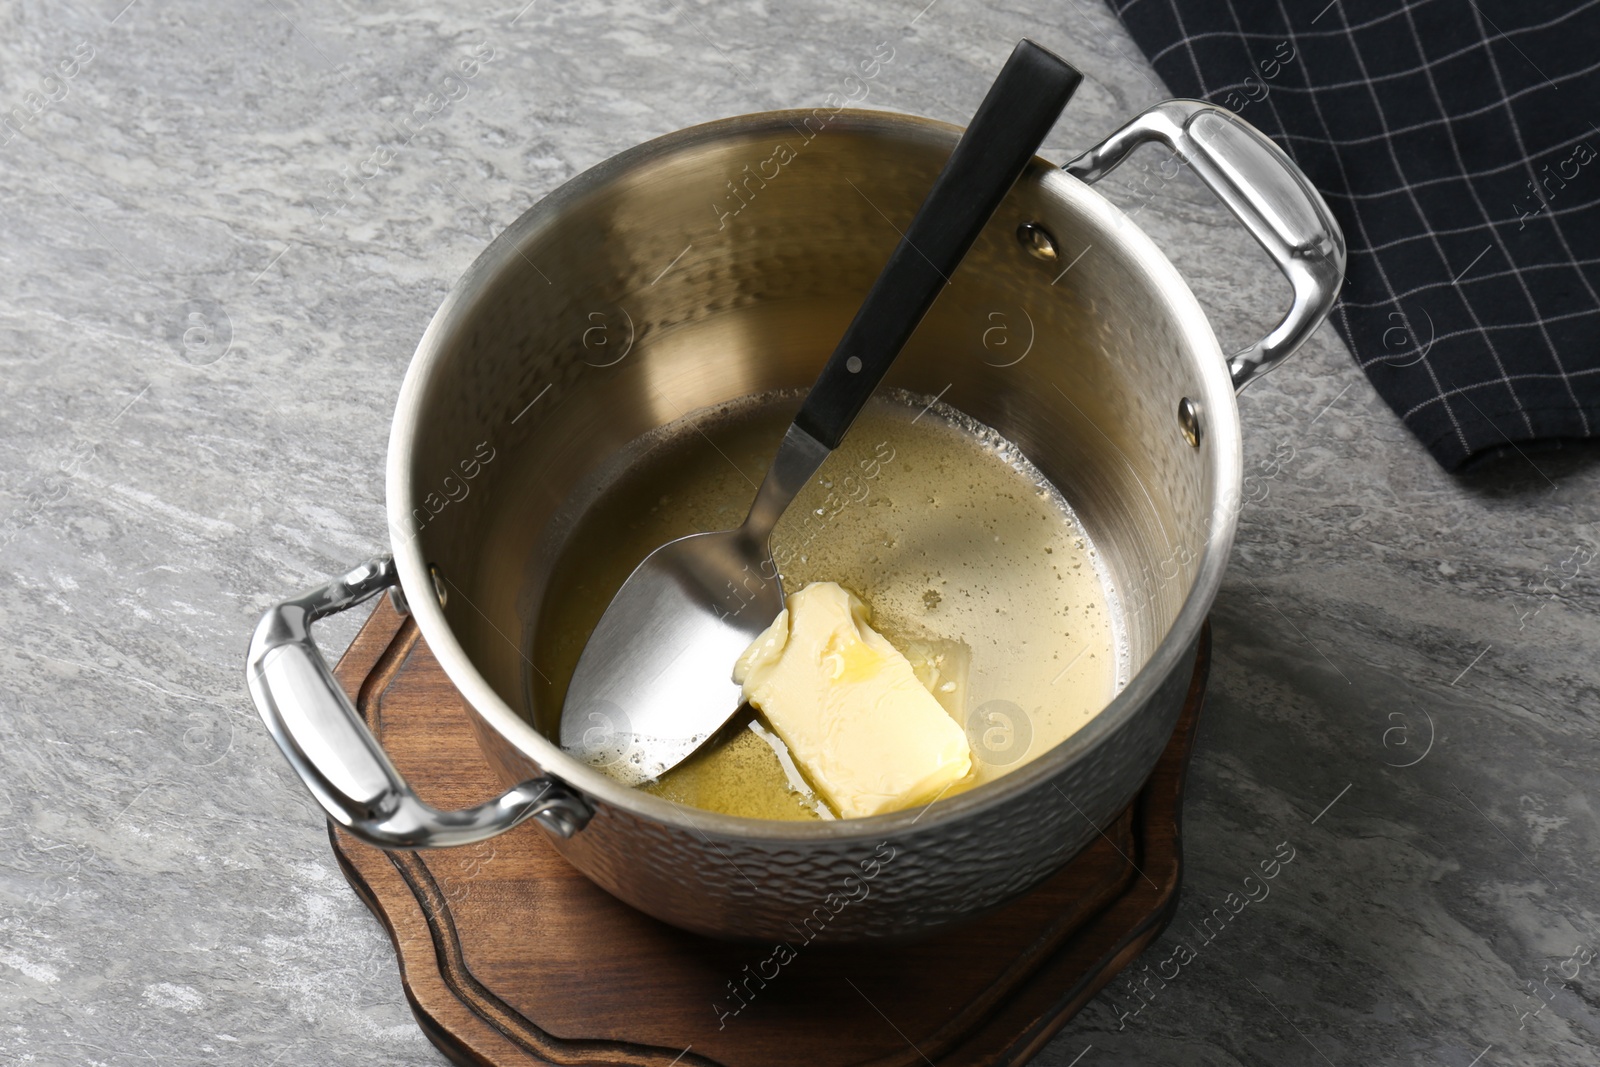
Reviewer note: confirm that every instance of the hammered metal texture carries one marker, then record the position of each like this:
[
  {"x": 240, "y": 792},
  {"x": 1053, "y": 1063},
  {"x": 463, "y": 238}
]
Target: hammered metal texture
[
  {"x": 711, "y": 309},
  {"x": 835, "y": 892}
]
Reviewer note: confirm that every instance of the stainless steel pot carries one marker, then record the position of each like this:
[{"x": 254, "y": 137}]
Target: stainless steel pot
[{"x": 725, "y": 260}]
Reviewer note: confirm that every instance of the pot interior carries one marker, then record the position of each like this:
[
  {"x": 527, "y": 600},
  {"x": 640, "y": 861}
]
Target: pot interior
[{"x": 726, "y": 261}]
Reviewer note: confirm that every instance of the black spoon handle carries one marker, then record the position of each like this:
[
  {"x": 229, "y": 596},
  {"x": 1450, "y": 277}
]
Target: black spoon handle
[{"x": 1019, "y": 110}]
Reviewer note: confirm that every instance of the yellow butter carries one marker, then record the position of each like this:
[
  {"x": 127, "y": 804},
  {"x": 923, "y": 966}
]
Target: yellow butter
[{"x": 866, "y": 733}]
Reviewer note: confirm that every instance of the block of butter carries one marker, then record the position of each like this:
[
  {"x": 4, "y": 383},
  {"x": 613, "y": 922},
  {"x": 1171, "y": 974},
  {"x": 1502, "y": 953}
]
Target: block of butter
[{"x": 865, "y": 732}]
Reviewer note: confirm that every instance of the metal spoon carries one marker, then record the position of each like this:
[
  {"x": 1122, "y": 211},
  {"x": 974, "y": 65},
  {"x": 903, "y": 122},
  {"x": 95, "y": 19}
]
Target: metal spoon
[{"x": 655, "y": 679}]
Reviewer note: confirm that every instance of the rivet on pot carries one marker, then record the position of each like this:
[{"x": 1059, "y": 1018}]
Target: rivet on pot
[
  {"x": 1189, "y": 421},
  {"x": 438, "y": 584},
  {"x": 1038, "y": 241}
]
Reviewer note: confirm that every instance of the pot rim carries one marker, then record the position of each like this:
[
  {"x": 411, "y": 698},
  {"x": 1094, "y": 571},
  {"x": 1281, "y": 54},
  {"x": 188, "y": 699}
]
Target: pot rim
[{"x": 1217, "y": 403}]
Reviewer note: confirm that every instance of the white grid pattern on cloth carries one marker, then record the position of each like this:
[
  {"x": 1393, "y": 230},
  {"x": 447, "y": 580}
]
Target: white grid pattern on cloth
[
  {"x": 1477, "y": 200},
  {"x": 1388, "y": 285},
  {"x": 1555, "y": 225},
  {"x": 1425, "y": 156},
  {"x": 1351, "y": 142},
  {"x": 1491, "y": 276},
  {"x": 1403, "y": 10}
]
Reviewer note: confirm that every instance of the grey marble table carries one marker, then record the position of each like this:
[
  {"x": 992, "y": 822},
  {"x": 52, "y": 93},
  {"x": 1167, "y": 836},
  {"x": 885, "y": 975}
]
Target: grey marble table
[{"x": 208, "y": 300}]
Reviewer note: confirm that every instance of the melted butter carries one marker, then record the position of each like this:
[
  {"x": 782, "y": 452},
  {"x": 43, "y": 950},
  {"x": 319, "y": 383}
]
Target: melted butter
[
  {"x": 742, "y": 776},
  {"x": 971, "y": 563}
]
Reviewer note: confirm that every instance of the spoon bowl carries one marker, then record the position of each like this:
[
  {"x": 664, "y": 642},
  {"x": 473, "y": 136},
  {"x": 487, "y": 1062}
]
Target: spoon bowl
[{"x": 654, "y": 681}]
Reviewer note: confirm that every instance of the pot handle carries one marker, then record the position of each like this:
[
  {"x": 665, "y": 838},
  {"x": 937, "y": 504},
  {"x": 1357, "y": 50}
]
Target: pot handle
[
  {"x": 330, "y": 747},
  {"x": 1265, "y": 190}
]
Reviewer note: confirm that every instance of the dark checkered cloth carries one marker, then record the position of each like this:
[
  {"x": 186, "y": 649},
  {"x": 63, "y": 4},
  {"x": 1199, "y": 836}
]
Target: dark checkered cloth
[{"x": 1456, "y": 142}]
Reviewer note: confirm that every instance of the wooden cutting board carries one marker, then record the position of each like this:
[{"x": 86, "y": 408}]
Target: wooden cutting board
[{"x": 510, "y": 957}]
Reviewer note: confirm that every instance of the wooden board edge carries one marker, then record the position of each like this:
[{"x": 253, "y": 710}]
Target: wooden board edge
[
  {"x": 465, "y": 1036},
  {"x": 1161, "y": 810},
  {"x": 463, "y": 1041},
  {"x": 467, "y": 1022},
  {"x": 368, "y": 646}
]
